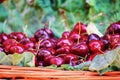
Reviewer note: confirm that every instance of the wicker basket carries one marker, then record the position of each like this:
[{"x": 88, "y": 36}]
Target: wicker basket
[{"x": 35, "y": 73}]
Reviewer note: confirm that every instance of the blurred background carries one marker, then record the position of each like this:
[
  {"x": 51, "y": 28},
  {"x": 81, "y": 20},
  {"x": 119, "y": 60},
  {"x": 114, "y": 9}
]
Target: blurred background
[{"x": 59, "y": 15}]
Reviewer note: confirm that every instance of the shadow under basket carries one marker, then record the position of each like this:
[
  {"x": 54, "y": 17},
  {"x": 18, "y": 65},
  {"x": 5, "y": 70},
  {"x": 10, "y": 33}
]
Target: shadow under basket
[{"x": 37, "y": 73}]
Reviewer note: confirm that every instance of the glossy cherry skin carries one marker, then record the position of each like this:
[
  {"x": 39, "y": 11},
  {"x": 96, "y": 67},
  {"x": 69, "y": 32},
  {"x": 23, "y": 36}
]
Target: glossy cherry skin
[
  {"x": 17, "y": 35},
  {"x": 69, "y": 58},
  {"x": 114, "y": 40},
  {"x": 114, "y": 28},
  {"x": 24, "y": 41},
  {"x": 42, "y": 53},
  {"x": 47, "y": 43},
  {"x": 9, "y": 42},
  {"x": 47, "y": 60},
  {"x": 58, "y": 61},
  {"x": 63, "y": 50},
  {"x": 80, "y": 49},
  {"x": 93, "y": 37},
  {"x": 49, "y": 32},
  {"x": 29, "y": 45},
  {"x": 74, "y": 37},
  {"x": 1, "y": 49},
  {"x": 65, "y": 34},
  {"x": 91, "y": 56},
  {"x": 40, "y": 34},
  {"x": 17, "y": 49},
  {"x": 96, "y": 46},
  {"x": 63, "y": 42},
  {"x": 80, "y": 27},
  {"x": 3, "y": 37}
]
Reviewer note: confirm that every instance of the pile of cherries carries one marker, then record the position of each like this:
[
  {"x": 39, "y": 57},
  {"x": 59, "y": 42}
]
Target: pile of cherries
[{"x": 72, "y": 48}]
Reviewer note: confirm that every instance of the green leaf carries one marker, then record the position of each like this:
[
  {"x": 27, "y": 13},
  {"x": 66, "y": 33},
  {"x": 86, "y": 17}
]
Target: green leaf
[
  {"x": 3, "y": 13},
  {"x": 66, "y": 67},
  {"x": 83, "y": 66},
  {"x": 29, "y": 59},
  {"x": 103, "y": 61},
  {"x": 7, "y": 60},
  {"x": 17, "y": 58},
  {"x": 2, "y": 54}
]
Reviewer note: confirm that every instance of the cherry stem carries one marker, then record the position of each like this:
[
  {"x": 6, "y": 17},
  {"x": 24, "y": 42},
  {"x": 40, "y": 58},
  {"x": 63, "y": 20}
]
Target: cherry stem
[
  {"x": 39, "y": 45},
  {"x": 79, "y": 32}
]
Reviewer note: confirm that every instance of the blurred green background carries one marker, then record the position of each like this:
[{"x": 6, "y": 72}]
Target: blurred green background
[{"x": 58, "y": 15}]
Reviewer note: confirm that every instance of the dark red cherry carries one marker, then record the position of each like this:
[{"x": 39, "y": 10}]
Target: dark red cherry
[
  {"x": 34, "y": 51},
  {"x": 80, "y": 49},
  {"x": 1, "y": 1},
  {"x": 1, "y": 49},
  {"x": 114, "y": 28},
  {"x": 42, "y": 53},
  {"x": 49, "y": 32},
  {"x": 29, "y": 45},
  {"x": 63, "y": 50},
  {"x": 47, "y": 43},
  {"x": 9, "y": 42},
  {"x": 65, "y": 34},
  {"x": 74, "y": 37},
  {"x": 40, "y": 34},
  {"x": 91, "y": 56},
  {"x": 58, "y": 61},
  {"x": 24, "y": 41},
  {"x": 17, "y": 35},
  {"x": 63, "y": 42},
  {"x": 93, "y": 37},
  {"x": 19, "y": 48},
  {"x": 80, "y": 27},
  {"x": 47, "y": 60},
  {"x": 96, "y": 46},
  {"x": 69, "y": 58},
  {"x": 3, "y": 37}
]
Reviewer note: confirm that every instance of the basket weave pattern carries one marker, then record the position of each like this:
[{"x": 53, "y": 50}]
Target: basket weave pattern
[{"x": 36, "y": 73}]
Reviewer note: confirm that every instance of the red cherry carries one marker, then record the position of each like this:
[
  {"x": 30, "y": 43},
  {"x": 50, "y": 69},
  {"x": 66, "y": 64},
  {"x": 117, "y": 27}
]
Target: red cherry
[
  {"x": 65, "y": 34},
  {"x": 93, "y": 37},
  {"x": 42, "y": 53},
  {"x": 58, "y": 61},
  {"x": 63, "y": 42},
  {"x": 3, "y": 37},
  {"x": 40, "y": 34},
  {"x": 49, "y": 32},
  {"x": 80, "y": 27},
  {"x": 63, "y": 50},
  {"x": 69, "y": 58},
  {"x": 80, "y": 49},
  {"x": 17, "y": 48},
  {"x": 96, "y": 46},
  {"x": 91, "y": 56},
  {"x": 17, "y": 35},
  {"x": 29, "y": 45},
  {"x": 47, "y": 60},
  {"x": 9, "y": 42}
]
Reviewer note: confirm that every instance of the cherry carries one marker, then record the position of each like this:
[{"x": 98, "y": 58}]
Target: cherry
[
  {"x": 47, "y": 60},
  {"x": 80, "y": 27},
  {"x": 42, "y": 53},
  {"x": 80, "y": 49},
  {"x": 58, "y": 61},
  {"x": 91, "y": 56},
  {"x": 29, "y": 45},
  {"x": 74, "y": 37},
  {"x": 40, "y": 34},
  {"x": 32, "y": 39},
  {"x": 69, "y": 58},
  {"x": 3, "y": 37},
  {"x": 47, "y": 43},
  {"x": 19, "y": 48},
  {"x": 49, "y": 32},
  {"x": 63, "y": 50},
  {"x": 9, "y": 42},
  {"x": 63, "y": 42},
  {"x": 106, "y": 42},
  {"x": 93, "y": 37},
  {"x": 96, "y": 46},
  {"x": 114, "y": 28},
  {"x": 17, "y": 35},
  {"x": 24, "y": 41},
  {"x": 65, "y": 34}
]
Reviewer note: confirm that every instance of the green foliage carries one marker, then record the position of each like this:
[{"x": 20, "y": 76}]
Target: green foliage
[
  {"x": 24, "y": 59},
  {"x": 61, "y": 15}
]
